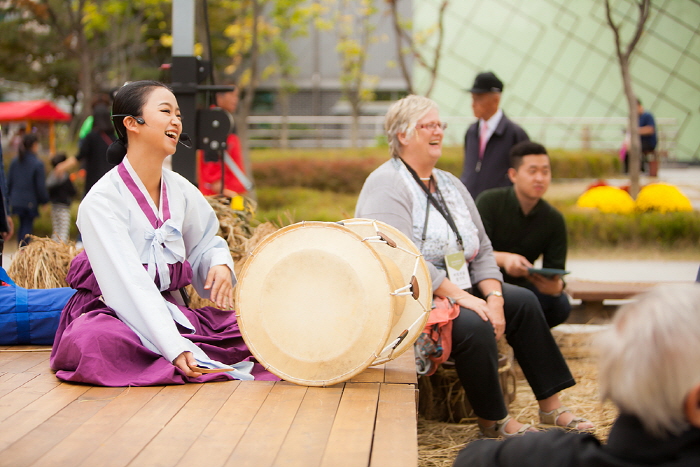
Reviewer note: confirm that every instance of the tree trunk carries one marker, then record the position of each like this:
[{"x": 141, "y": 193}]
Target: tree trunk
[
  {"x": 246, "y": 103},
  {"x": 355, "y": 125},
  {"x": 284, "y": 130},
  {"x": 634, "y": 151},
  {"x": 85, "y": 77}
]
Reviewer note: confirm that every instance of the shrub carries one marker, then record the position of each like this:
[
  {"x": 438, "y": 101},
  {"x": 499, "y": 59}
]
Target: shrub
[
  {"x": 340, "y": 176},
  {"x": 662, "y": 197},
  {"x": 606, "y": 199},
  {"x": 593, "y": 228},
  {"x": 284, "y": 206},
  {"x": 344, "y": 170}
]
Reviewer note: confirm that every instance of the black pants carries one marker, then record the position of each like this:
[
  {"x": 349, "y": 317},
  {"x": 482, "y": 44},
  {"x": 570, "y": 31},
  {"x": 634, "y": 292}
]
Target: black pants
[
  {"x": 26, "y": 223},
  {"x": 556, "y": 309},
  {"x": 476, "y": 355}
]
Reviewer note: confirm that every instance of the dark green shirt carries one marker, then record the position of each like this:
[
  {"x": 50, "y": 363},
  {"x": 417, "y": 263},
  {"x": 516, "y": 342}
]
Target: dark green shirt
[{"x": 541, "y": 233}]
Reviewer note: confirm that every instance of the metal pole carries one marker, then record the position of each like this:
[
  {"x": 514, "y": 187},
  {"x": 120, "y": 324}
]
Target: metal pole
[{"x": 184, "y": 82}]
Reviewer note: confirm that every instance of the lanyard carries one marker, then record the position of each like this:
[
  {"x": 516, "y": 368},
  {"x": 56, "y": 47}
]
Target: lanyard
[{"x": 440, "y": 206}]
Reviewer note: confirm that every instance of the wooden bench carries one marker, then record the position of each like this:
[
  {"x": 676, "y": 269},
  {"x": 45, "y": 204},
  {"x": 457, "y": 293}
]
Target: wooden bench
[
  {"x": 593, "y": 293},
  {"x": 367, "y": 421}
]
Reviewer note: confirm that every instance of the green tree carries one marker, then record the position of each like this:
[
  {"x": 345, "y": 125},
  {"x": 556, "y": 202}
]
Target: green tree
[
  {"x": 354, "y": 23},
  {"x": 413, "y": 44},
  {"x": 291, "y": 18},
  {"x": 84, "y": 46}
]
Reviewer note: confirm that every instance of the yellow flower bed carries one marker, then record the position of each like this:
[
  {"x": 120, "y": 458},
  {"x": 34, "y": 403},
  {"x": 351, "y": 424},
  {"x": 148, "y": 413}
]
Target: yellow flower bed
[
  {"x": 662, "y": 197},
  {"x": 607, "y": 199}
]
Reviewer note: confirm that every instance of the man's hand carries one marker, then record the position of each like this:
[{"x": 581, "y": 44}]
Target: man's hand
[
  {"x": 219, "y": 282},
  {"x": 547, "y": 285},
  {"x": 514, "y": 264}
]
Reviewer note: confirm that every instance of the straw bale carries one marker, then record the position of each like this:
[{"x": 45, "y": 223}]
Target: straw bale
[
  {"x": 236, "y": 227},
  {"x": 42, "y": 264}
]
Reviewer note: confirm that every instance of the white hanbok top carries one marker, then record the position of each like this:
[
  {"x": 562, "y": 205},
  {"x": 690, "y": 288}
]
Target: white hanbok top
[{"x": 119, "y": 238}]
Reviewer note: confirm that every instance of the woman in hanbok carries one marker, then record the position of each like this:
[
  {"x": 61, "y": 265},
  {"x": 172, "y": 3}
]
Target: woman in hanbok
[{"x": 148, "y": 232}]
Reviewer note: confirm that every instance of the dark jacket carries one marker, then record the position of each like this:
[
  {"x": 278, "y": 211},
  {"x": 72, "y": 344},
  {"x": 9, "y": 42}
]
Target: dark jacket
[
  {"x": 494, "y": 167},
  {"x": 628, "y": 446},
  {"x": 61, "y": 189},
  {"x": 26, "y": 183},
  {"x": 93, "y": 155}
]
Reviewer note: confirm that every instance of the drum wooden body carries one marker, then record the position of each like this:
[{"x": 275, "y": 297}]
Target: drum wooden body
[{"x": 319, "y": 302}]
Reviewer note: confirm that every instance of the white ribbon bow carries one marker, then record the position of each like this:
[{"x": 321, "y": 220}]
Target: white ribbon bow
[{"x": 165, "y": 247}]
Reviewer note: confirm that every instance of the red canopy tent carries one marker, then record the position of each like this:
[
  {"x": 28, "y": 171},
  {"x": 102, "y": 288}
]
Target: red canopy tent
[{"x": 34, "y": 111}]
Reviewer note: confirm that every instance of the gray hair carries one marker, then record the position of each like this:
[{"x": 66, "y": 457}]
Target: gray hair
[
  {"x": 403, "y": 116},
  {"x": 650, "y": 356}
]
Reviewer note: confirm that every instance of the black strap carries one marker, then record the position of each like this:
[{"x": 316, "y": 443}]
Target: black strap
[{"x": 440, "y": 207}]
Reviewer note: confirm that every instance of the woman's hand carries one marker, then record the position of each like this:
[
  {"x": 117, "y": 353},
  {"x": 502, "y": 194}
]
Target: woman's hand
[
  {"x": 475, "y": 304},
  {"x": 219, "y": 282},
  {"x": 496, "y": 315},
  {"x": 186, "y": 362}
]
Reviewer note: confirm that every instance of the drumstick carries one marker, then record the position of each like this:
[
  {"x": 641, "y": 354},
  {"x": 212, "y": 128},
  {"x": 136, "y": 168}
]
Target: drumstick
[{"x": 200, "y": 369}]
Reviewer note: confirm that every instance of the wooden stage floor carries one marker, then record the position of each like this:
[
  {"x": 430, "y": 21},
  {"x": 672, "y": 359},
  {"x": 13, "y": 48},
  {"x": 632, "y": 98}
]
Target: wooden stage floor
[{"x": 367, "y": 421}]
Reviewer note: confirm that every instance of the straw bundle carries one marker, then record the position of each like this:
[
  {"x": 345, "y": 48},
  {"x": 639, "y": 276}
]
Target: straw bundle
[
  {"x": 442, "y": 397},
  {"x": 42, "y": 264},
  {"x": 236, "y": 228}
]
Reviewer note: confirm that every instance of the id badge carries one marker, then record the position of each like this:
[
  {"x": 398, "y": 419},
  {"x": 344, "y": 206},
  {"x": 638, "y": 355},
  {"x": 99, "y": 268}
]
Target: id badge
[{"x": 457, "y": 270}]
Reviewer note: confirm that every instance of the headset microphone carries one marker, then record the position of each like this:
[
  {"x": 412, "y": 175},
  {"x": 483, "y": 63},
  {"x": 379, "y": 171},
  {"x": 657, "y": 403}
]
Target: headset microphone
[{"x": 185, "y": 140}]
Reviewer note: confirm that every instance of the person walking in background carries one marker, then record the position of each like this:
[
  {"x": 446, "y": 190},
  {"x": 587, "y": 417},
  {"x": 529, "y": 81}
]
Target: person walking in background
[
  {"x": 210, "y": 172},
  {"x": 647, "y": 133},
  {"x": 93, "y": 149},
  {"x": 648, "y": 139},
  {"x": 650, "y": 369},
  {"x": 488, "y": 141},
  {"x": 522, "y": 227},
  {"x": 7, "y": 226},
  {"x": 26, "y": 185},
  {"x": 61, "y": 193}
]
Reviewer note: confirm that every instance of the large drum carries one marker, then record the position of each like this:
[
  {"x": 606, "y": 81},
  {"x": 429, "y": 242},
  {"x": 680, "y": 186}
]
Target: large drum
[{"x": 319, "y": 302}]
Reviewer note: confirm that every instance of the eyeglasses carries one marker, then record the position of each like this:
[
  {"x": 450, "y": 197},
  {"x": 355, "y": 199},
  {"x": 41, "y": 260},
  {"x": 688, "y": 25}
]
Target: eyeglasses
[{"x": 432, "y": 126}]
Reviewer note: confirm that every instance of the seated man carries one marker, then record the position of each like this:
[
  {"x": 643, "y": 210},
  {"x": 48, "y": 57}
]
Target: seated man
[
  {"x": 650, "y": 369},
  {"x": 522, "y": 227}
]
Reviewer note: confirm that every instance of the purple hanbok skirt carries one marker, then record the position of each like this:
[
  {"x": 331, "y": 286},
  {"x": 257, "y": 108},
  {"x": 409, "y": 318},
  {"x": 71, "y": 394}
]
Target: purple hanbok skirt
[{"x": 94, "y": 346}]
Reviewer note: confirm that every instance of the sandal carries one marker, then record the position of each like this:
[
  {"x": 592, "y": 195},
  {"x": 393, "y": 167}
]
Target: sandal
[
  {"x": 498, "y": 429},
  {"x": 550, "y": 419}
]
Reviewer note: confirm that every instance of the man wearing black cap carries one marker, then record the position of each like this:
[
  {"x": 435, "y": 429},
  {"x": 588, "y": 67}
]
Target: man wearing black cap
[{"x": 488, "y": 141}]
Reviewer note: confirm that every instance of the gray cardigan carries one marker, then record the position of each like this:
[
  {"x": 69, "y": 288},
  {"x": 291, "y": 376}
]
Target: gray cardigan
[{"x": 385, "y": 197}]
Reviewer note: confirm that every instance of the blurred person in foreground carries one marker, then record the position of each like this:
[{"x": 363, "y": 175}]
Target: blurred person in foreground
[
  {"x": 650, "y": 369},
  {"x": 433, "y": 208},
  {"x": 523, "y": 227}
]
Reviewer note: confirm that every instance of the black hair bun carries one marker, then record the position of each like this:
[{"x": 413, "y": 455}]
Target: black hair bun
[{"x": 116, "y": 152}]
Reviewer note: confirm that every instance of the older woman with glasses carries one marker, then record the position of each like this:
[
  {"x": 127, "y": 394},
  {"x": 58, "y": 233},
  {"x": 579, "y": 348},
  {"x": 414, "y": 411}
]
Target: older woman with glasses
[{"x": 433, "y": 208}]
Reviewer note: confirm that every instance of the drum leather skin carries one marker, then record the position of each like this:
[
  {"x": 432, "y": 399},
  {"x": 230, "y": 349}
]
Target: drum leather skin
[{"x": 316, "y": 302}]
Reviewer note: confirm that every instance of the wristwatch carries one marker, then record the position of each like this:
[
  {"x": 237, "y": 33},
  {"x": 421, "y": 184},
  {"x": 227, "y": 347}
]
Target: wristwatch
[{"x": 495, "y": 293}]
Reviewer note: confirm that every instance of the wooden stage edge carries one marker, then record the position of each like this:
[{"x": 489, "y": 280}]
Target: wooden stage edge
[{"x": 369, "y": 420}]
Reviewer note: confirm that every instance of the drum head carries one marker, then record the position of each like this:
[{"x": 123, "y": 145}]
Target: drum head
[
  {"x": 416, "y": 311},
  {"x": 314, "y": 303}
]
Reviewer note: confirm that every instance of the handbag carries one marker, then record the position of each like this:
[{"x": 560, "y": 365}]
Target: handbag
[{"x": 30, "y": 316}]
